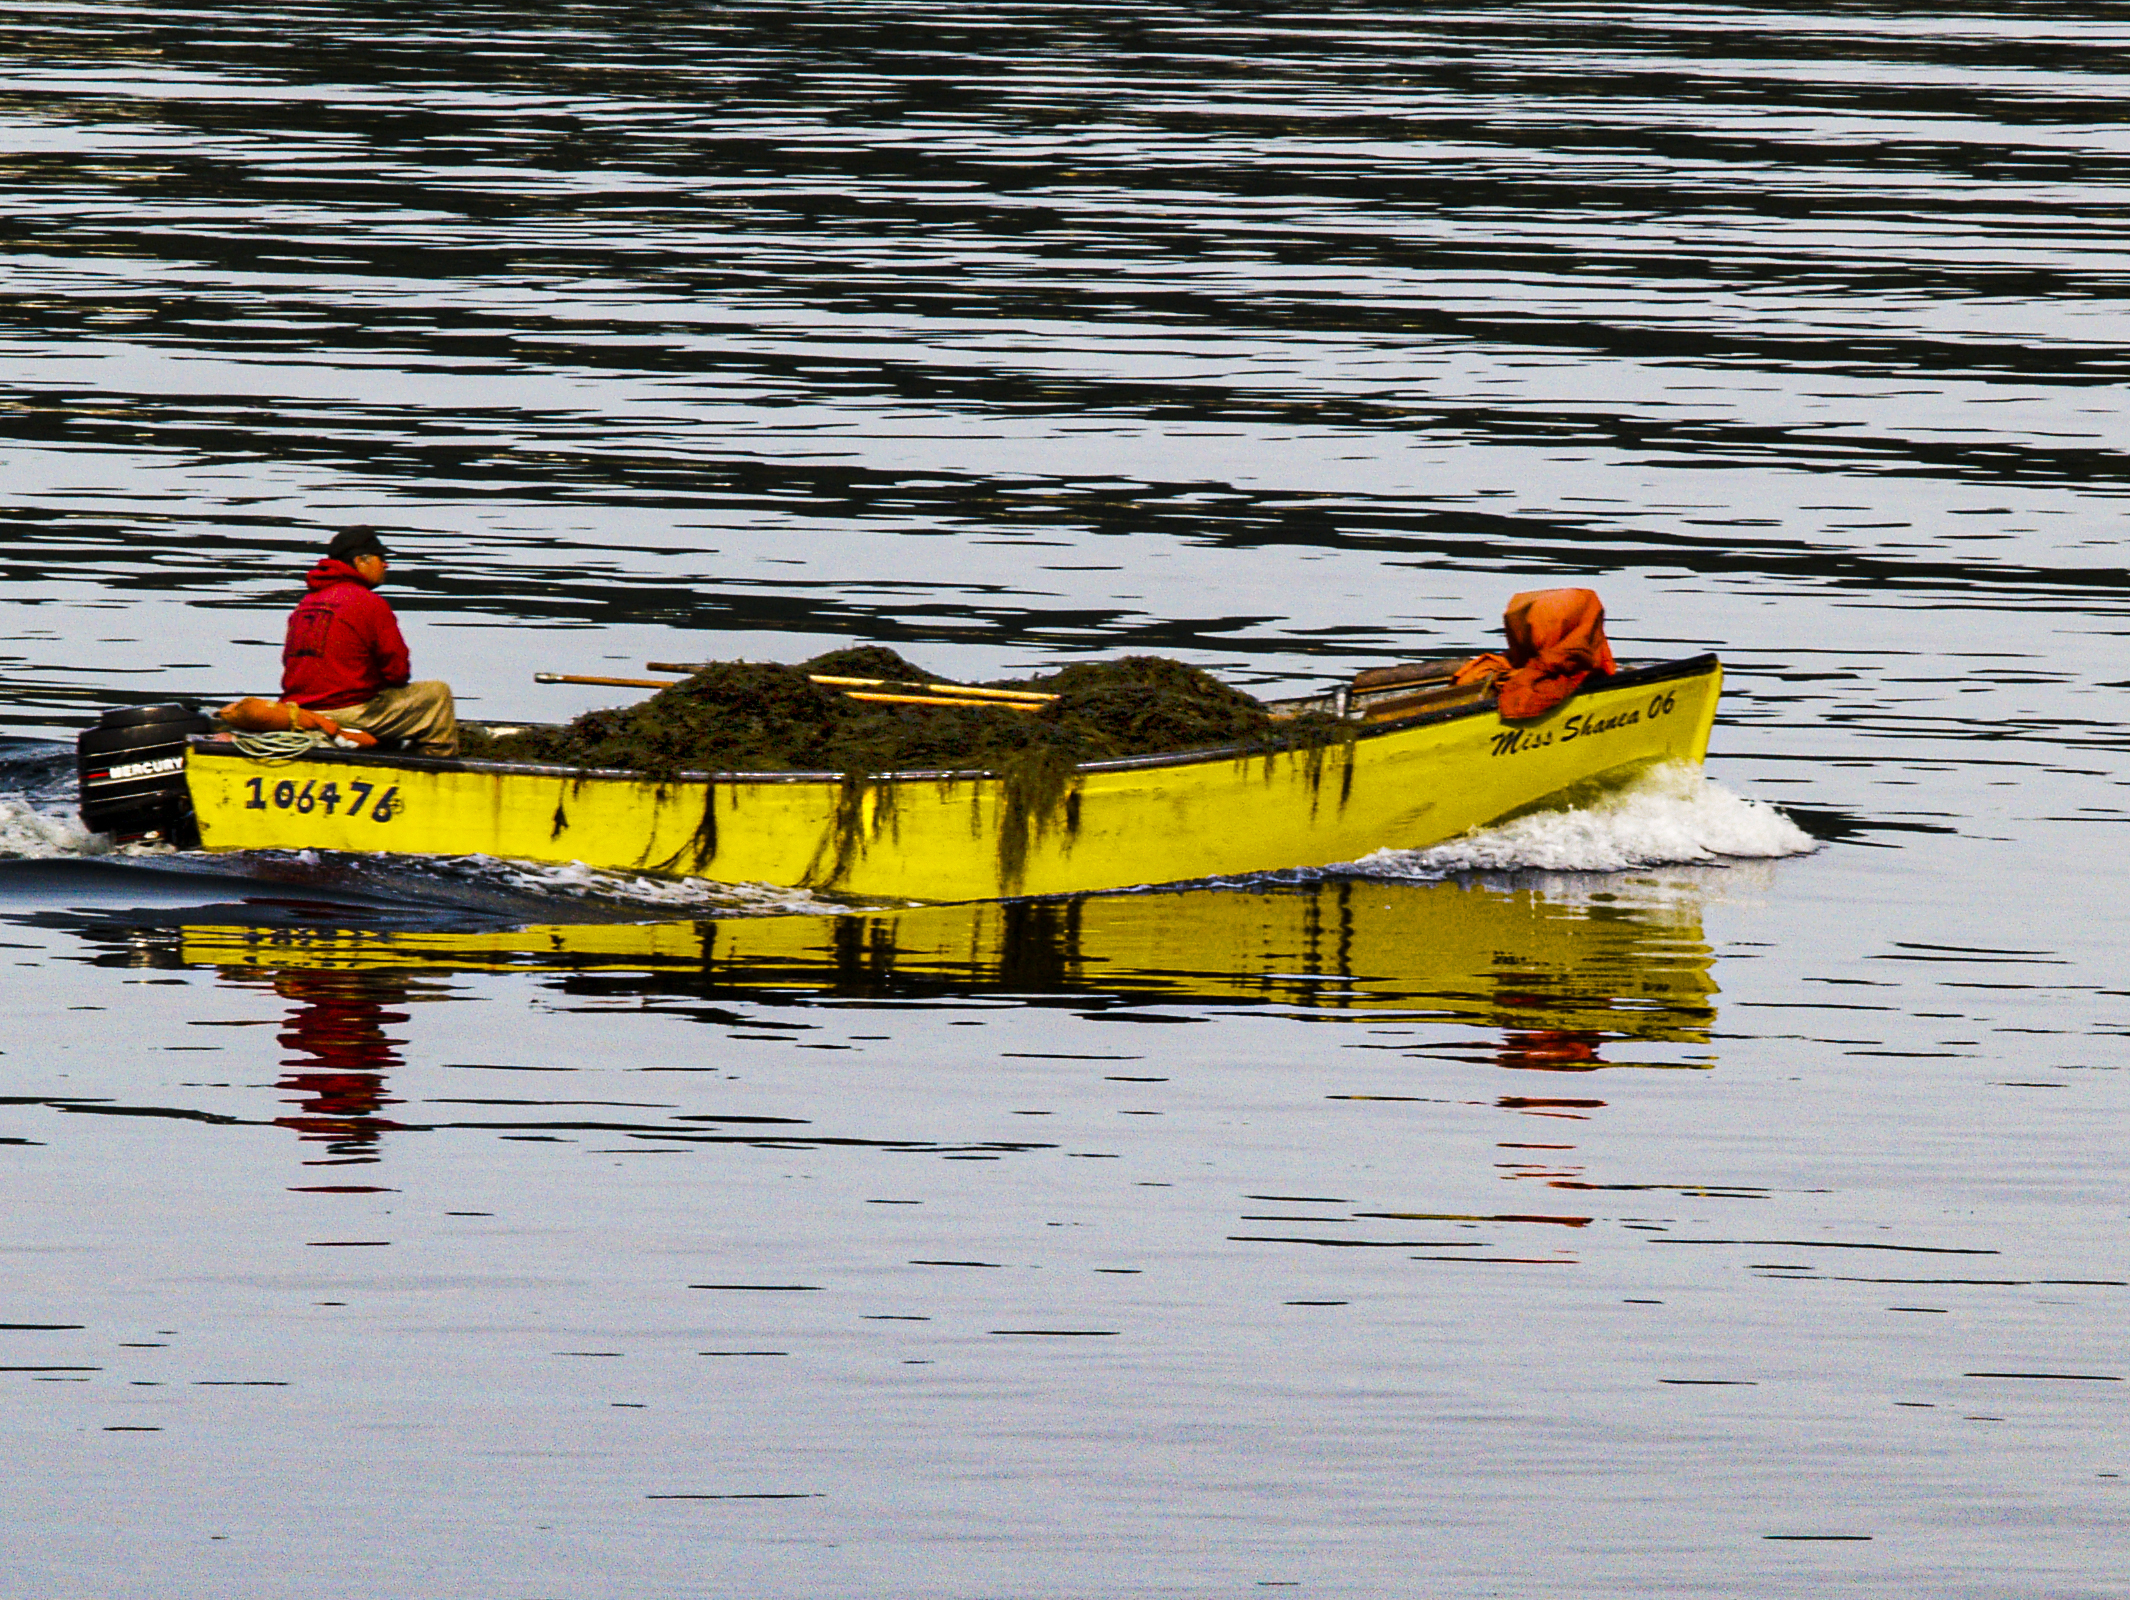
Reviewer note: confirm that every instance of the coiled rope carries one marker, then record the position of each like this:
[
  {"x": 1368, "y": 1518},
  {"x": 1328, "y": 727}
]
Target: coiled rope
[{"x": 277, "y": 749}]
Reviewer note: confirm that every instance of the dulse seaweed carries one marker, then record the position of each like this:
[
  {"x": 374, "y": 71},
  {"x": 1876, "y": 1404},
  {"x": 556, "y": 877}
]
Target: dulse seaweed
[{"x": 764, "y": 717}]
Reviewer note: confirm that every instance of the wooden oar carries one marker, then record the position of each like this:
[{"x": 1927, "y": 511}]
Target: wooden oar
[
  {"x": 939, "y": 700},
  {"x": 949, "y": 695},
  {"x": 1408, "y": 672},
  {"x": 1026, "y": 696}
]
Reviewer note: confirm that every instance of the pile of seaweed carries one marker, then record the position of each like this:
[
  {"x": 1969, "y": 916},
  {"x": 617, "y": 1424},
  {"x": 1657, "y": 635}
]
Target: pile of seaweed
[{"x": 763, "y": 717}]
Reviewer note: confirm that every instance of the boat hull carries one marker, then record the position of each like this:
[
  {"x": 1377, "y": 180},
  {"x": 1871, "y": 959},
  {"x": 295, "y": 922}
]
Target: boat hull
[{"x": 971, "y": 836}]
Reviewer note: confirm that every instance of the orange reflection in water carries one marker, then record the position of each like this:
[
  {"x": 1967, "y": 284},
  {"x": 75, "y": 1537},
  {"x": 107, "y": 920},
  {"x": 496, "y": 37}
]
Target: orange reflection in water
[{"x": 1550, "y": 1050}]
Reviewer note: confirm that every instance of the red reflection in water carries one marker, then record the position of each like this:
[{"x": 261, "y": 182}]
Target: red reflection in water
[
  {"x": 1550, "y": 1050},
  {"x": 337, "y": 1074}
]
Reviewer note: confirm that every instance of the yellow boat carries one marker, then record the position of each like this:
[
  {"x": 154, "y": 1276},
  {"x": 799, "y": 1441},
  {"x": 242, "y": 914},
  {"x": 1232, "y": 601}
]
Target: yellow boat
[{"x": 1419, "y": 769}]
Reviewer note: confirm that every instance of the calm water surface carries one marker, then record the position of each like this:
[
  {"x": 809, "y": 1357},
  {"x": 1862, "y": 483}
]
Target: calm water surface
[{"x": 1696, "y": 1226}]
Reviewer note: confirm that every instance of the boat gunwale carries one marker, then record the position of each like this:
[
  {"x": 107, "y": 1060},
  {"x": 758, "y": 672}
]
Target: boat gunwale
[{"x": 1633, "y": 677}]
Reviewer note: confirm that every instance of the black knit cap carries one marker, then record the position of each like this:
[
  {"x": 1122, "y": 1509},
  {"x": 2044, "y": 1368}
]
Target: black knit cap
[{"x": 349, "y": 543}]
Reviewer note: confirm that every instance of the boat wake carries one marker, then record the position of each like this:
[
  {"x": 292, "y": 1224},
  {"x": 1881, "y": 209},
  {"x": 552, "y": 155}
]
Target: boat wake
[
  {"x": 37, "y": 816},
  {"x": 1675, "y": 815},
  {"x": 595, "y": 890},
  {"x": 32, "y": 832}
]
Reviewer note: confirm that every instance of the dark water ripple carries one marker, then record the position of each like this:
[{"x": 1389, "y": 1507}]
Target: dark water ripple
[
  {"x": 501, "y": 1232},
  {"x": 735, "y": 267}
]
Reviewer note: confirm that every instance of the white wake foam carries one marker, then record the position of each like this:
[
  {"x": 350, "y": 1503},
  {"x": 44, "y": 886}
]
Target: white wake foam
[
  {"x": 678, "y": 894},
  {"x": 34, "y": 832},
  {"x": 1673, "y": 815}
]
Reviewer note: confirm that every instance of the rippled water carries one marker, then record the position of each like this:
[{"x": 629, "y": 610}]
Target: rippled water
[{"x": 1611, "y": 1207}]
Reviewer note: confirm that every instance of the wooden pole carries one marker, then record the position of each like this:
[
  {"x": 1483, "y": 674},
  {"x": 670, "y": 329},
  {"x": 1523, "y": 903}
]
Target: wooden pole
[
  {"x": 938, "y": 694},
  {"x": 612, "y": 683},
  {"x": 965, "y": 691}
]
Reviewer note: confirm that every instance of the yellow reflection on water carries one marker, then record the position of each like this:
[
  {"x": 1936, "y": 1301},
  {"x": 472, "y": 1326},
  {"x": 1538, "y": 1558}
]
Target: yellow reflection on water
[{"x": 1556, "y": 974}]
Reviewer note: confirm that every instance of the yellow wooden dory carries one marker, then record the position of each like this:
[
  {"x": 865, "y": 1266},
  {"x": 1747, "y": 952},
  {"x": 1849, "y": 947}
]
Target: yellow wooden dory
[{"x": 1409, "y": 782}]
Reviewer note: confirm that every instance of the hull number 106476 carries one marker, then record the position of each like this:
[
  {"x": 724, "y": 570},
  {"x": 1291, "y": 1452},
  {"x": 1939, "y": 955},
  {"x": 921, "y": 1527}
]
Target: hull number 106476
[{"x": 327, "y": 797}]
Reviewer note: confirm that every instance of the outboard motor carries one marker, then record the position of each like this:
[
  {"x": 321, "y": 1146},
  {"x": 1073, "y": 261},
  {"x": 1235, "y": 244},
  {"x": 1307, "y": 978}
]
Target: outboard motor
[{"x": 132, "y": 766}]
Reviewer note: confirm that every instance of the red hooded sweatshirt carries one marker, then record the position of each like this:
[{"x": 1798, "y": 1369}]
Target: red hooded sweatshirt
[{"x": 343, "y": 642}]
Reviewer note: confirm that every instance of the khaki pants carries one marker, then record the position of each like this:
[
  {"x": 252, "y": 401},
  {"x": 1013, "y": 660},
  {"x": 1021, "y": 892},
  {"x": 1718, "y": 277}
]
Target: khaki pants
[{"x": 420, "y": 716}]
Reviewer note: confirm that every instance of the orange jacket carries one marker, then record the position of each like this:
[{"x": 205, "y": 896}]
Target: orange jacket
[{"x": 1556, "y": 640}]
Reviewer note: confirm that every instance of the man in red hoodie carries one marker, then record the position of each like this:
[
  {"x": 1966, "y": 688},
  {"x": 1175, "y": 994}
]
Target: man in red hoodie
[{"x": 344, "y": 655}]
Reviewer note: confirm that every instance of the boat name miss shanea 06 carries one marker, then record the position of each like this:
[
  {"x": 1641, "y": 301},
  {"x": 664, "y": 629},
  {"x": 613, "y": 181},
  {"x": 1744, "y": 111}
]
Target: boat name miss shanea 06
[{"x": 1515, "y": 741}]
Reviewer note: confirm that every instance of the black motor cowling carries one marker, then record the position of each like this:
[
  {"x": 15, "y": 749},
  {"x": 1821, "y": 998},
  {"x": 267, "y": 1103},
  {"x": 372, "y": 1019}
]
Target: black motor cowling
[{"x": 132, "y": 766}]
